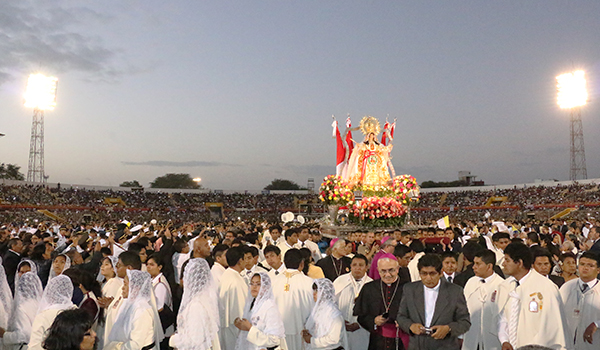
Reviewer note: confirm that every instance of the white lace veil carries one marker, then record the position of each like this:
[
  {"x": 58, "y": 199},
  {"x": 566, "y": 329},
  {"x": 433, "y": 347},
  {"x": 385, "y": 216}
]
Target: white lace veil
[
  {"x": 6, "y": 299},
  {"x": 67, "y": 265},
  {"x": 28, "y": 293},
  {"x": 264, "y": 314},
  {"x": 30, "y": 263},
  {"x": 139, "y": 298},
  {"x": 58, "y": 294},
  {"x": 325, "y": 309},
  {"x": 199, "y": 306}
]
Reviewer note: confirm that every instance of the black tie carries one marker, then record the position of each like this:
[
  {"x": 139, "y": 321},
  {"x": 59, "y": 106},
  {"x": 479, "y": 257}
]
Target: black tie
[
  {"x": 585, "y": 288},
  {"x": 450, "y": 279},
  {"x": 252, "y": 303},
  {"x": 483, "y": 280},
  {"x": 517, "y": 282},
  {"x": 276, "y": 272}
]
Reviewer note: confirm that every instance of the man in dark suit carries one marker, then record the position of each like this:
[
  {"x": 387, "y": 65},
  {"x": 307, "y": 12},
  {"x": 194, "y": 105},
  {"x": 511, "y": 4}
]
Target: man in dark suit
[
  {"x": 433, "y": 311},
  {"x": 594, "y": 236},
  {"x": 542, "y": 263},
  {"x": 11, "y": 260}
]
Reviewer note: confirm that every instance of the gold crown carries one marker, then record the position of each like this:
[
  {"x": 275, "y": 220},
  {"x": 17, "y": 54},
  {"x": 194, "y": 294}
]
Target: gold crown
[{"x": 369, "y": 125}]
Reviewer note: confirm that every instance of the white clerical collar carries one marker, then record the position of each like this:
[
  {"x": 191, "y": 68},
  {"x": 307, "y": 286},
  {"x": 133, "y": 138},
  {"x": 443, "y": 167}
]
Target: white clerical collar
[
  {"x": 522, "y": 280},
  {"x": 436, "y": 288},
  {"x": 487, "y": 279},
  {"x": 14, "y": 252}
]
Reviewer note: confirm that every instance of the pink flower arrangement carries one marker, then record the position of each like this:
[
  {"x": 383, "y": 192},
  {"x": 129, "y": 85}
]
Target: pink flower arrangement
[
  {"x": 379, "y": 211},
  {"x": 402, "y": 186}
]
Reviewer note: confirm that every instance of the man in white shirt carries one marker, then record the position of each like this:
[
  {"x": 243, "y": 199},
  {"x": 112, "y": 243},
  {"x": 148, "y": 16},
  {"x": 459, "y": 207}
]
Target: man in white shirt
[
  {"x": 233, "y": 291},
  {"x": 449, "y": 264},
  {"x": 305, "y": 242},
  {"x": 500, "y": 241},
  {"x": 421, "y": 315},
  {"x": 481, "y": 292},
  {"x": 532, "y": 311},
  {"x": 581, "y": 298},
  {"x": 347, "y": 288},
  {"x": 291, "y": 238},
  {"x": 220, "y": 265},
  {"x": 294, "y": 297},
  {"x": 273, "y": 237},
  {"x": 273, "y": 259}
]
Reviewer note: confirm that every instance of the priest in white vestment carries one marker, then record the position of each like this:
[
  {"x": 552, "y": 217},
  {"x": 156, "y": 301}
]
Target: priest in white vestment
[
  {"x": 532, "y": 311},
  {"x": 262, "y": 326},
  {"x": 581, "y": 297},
  {"x": 481, "y": 293},
  {"x": 232, "y": 297},
  {"x": 56, "y": 298},
  {"x": 294, "y": 296},
  {"x": 198, "y": 307},
  {"x": 220, "y": 264},
  {"x": 347, "y": 288}
]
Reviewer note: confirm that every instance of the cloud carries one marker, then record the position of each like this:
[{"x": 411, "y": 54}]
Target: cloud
[
  {"x": 188, "y": 164},
  {"x": 36, "y": 34}
]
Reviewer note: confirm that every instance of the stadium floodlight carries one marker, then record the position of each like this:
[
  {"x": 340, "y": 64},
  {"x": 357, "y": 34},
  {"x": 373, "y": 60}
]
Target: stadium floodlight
[
  {"x": 197, "y": 180},
  {"x": 571, "y": 89},
  {"x": 41, "y": 92}
]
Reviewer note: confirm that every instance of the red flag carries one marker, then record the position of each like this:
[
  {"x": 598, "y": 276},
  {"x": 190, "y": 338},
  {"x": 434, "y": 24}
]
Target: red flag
[
  {"x": 349, "y": 138},
  {"x": 341, "y": 151},
  {"x": 392, "y": 129},
  {"x": 384, "y": 136}
]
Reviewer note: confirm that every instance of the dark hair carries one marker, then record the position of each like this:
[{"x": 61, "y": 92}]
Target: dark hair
[
  {"x": 251, "y": 238},
  {"x": 487, "y": 256},
  {"x": 106, "y": 251},
  {"x": 234, "y": 255},
  {"x": 275, "y": 227},
  {"x": 219, "y": 250},
  {"x": 499, "y": 235},
  {"x": 567, "y": 255},
  {"x": 253, "y": 250},
  {"x": 184, "y": 266},
  {"x": 306, "y": 256},
  {"x": 534, "y": 237},
  {"x": 430, "y": 260},
  {"x": 404, "y": 233},
  {"x": 12, "y": 242},
  {"x": 272, "y": 249},
  {"x": 401, "y": 250},
  {"x": 143, "y": 241},
  {"x": 67, "y": 330},
  {"x": 592, "y": 256},
  {"x": 157, "y": 259},
  {"x": 315, "y": 287},
  {"x": 289, "y": 233},
  {"x": 519, "y": 251},
  {"x": 292, "y": 259},
  {"x": 131, "y": 259},
  {"x": 37, "y": 253},
  {"x": 470, "y": 249},
  {"x": 449, "y": 254},
  {"x": 361, "y": 257},
  {"x": 417, "y": 246},
  {"x": 179, "y": 245},
  {"x": 75, "y": 275},
  {"x": 135, "y": 248}
]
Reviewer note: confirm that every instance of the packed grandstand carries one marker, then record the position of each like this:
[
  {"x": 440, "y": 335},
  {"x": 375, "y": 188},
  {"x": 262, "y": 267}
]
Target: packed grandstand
[{"x": 22, "y": 201}]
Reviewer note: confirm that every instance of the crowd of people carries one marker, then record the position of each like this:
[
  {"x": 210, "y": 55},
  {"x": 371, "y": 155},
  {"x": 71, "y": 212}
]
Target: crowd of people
[
  {"x": 20, "y": 202},
  {"x": 251, "y": 284}
]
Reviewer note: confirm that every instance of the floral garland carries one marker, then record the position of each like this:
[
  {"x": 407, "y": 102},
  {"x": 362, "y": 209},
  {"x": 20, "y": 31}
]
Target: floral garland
[
  {"x": 335, "y": 191},
  {"x": 378, "y": 212},
  {"x": 402, "y": 186}
]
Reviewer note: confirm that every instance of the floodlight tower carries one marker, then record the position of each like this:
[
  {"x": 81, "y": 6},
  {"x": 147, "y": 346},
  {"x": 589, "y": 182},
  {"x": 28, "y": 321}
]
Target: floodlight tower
[
  {"x": 572, "y": 94},
  {"x": 41, "y": 96}
]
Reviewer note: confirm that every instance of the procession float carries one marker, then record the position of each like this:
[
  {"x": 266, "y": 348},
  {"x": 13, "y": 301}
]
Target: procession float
[{"x": 365, "y": 190}]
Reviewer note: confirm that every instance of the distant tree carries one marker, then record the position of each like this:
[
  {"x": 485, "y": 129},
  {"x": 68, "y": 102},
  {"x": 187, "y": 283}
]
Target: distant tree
[
  {"x": 433, "y": 184},
  {"x": 11, "y": 172},
  {"x": 281, "y": 184},
  {"x": 133, "y": 183},
  {"x": 175, "y": 181}
]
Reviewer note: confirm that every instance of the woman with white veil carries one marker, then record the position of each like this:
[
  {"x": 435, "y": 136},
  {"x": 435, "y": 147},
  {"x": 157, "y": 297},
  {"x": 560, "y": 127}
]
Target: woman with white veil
[
  {"x": 6, "y": 299},
  {"x": 199, "y": 306},
  {"x": 112, "y": 283},
  {"x": 28, "y": 292},
  {"x": 137, "y": 325},
  {"x": 60, "y": 263},
  {"x": 325, "y": 327},
  {"x": 24, "y": 266},
  {"x": 262, "y": 326},
  {"x": 56, "y": 298}
]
